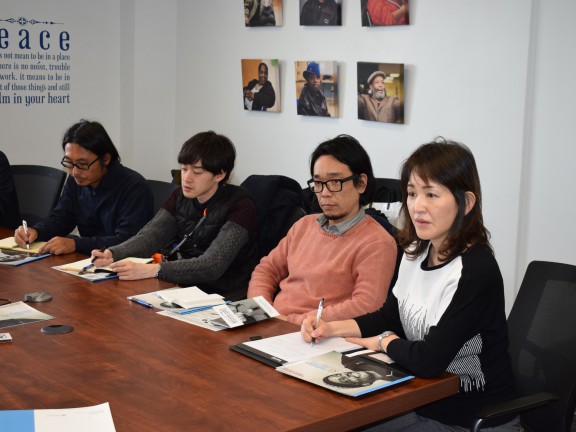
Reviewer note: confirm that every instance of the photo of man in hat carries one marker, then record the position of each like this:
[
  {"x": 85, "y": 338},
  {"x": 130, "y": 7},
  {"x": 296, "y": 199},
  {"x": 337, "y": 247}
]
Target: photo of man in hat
[
  {"x": 316, "y": 88},
  {"x": 376, "y": 104}
]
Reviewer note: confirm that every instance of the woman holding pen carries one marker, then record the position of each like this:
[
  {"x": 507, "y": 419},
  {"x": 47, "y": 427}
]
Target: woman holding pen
[{"x": 446, "y": 310}]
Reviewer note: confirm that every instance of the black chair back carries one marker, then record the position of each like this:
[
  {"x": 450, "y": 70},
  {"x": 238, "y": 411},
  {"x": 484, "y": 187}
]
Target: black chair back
[
  {"x": 161, "y": 190},
  {"x": 280, "y": 203},
  {"x": 542, "y": 328},
  {"x": 38, "y": 188}
]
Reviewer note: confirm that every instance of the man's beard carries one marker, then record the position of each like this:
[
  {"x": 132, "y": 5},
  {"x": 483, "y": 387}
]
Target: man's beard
[
  {"x": 379, "y": 94},
  {"x": 333, "y": 217}
]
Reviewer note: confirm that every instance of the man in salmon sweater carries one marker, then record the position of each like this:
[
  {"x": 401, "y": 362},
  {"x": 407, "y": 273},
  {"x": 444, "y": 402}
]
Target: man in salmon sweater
[{"x": 341, "y": 255}]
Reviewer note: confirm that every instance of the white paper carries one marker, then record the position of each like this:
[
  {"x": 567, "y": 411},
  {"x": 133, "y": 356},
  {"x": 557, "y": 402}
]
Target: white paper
[
  {"x": 97, "y": 418},
  {"x": 19, "y": 313},
  {"x": 191, "y": 297},
  {"x": 291, "y": 347}
]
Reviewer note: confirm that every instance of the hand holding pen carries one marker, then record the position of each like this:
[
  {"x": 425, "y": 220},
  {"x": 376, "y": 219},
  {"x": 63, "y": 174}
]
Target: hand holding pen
[
  {"x": 98, "y": 254},
  {"x": 318, "y": 317},
  {"x": 23, "y": 236}
]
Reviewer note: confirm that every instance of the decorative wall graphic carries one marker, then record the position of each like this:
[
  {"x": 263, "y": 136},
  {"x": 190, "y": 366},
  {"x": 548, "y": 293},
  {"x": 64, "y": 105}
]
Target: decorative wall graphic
[
  {"x": 261, "y": 85},
  {"x": 262, "y": 13},
  {"x": 35, "y": 62},
  {"x": 317, "y": 88},
  {"x": 320, "y": 13},
  {"x": 381, "y": 92},
  {"x": 384, "y": 12}
]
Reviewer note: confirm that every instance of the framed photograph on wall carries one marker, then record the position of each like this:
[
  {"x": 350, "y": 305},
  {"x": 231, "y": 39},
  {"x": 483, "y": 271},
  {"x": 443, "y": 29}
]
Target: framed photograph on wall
[
  {"x": 317, "y": 88},
  {"x": 261, "y": 84},
  {"x": 384, "y": 12},
  {"x": 381, "y": 92},
  {"x": 262, "y": 13},
  {"x": 320, "y": 13}
]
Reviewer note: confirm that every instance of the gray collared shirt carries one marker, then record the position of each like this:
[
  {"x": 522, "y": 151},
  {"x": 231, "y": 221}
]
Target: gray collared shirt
[{"x": 341, "y": 227}]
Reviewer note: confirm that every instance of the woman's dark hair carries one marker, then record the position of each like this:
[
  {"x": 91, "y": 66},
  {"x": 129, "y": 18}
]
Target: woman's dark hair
[
  {"x": 452, "y": 165},
  {"x": 216, "y": 153},
  {"x": 92, "y": 136},
  {"x": 348, "y": 150}
]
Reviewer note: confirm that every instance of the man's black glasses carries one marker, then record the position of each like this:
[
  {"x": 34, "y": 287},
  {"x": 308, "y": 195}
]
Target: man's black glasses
[
  {"x": 334, "y": 185},
  {"x": 83, "y": 166}
]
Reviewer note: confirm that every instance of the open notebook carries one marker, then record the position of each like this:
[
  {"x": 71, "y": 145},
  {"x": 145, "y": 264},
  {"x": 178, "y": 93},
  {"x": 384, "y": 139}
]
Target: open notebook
[
  {"x": 95, "y": 273},
  {"x": 12, "y": 254}
]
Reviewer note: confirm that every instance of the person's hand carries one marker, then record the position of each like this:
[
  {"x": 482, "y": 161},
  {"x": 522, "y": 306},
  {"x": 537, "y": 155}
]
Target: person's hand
[
  {"x": 102, "y": 258},
  {"x": 370, "y": 343},
  {"x": 128, "y": 270},
  {"x": 58, "y": 246},
  {"x": 312, "y": 329},
  {"x": 21, "y": 238},
  {"x": 282, "y": 317}
]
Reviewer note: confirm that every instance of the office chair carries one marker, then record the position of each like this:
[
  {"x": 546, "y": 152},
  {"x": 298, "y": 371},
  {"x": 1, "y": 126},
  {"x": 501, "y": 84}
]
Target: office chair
[
  {"x": 161, "y": 190},
  {"x": 542, "y": 331},
  {"x": 38, "y": 188},
  {"x": 280, "y": 203}
]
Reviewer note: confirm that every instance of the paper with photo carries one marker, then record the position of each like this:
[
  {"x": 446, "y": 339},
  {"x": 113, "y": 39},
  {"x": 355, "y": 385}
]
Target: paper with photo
[
  {"x": 13, "y": 257},
  {"x": 201, "y": 318},
  {"x": 14, "y": 314}
]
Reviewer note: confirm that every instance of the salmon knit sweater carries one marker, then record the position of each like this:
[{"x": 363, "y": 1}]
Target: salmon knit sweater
[{"x": 352, "y": 272}]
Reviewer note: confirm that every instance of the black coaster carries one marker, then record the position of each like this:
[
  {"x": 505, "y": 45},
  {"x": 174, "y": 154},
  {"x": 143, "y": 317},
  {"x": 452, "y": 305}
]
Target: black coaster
[{"x": 57, "y": 329}]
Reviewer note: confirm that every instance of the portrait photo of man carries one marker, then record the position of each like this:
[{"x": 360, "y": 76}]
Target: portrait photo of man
[
  {"x": 261, "y": 13},
  {"x": 384, "y": 12},
  {"x": 320, "y": 13},
  {"x": 260, "y": 86},
  {"x": 381, "y": 92},
  {"x": 317, "y": 88}
]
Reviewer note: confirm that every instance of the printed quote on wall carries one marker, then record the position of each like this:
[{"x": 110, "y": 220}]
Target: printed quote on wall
[{"x": 34, "y": 62}]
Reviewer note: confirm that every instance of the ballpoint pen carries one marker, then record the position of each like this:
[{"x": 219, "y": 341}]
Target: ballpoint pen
[
  {"x": 25, "y": 226},
  {"x": 89, "y": 266},
  {"x": 142, "y": 302},
  {"x": 318, "y": 316}
]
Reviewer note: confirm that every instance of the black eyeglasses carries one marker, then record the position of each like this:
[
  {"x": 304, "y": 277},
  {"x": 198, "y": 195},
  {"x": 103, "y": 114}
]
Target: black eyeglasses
[
  {"x": 83, "y": 166},
  {"x": 334, "y": 185}
]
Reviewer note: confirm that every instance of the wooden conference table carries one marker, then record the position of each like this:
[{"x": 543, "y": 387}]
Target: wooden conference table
[{"x": 161, "y": 374}]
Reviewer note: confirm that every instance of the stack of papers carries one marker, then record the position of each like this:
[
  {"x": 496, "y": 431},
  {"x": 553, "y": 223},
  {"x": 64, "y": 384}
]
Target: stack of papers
[{"x": 191, "y": 297}]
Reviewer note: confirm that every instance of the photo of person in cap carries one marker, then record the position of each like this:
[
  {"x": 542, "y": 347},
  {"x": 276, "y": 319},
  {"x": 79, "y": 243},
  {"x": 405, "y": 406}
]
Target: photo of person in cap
[
  {"x": 312, "y": 101},
  {"x": 376, "y": 104}
]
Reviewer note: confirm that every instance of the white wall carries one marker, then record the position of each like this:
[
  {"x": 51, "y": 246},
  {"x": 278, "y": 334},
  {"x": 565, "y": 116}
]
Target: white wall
[
  {"x": 33, "y": 134},
  {"x": 465, "y": 79},
  {"x": 548, "y": 209},
  {"x": 497, "y": 76}
]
